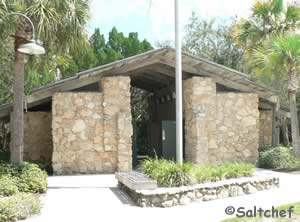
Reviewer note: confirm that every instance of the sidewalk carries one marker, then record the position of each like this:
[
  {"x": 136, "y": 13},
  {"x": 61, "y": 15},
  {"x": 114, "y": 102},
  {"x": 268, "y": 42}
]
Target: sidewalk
[{"x": 96, "y": 198}]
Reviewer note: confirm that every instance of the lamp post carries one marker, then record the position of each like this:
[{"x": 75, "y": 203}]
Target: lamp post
[
  {"x": 24, "y": 45},
  {"x": 179, "y": 133}
]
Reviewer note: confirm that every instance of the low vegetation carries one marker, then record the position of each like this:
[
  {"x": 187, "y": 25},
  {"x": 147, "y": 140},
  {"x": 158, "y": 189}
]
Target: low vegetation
[
  {"x": 20, "y": 186},
  {"x": 171, "y": 174},
  {"x": 278, "y": 158}
]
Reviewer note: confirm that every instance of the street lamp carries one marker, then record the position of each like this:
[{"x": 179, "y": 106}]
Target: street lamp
[{"x": 30, "y": 47}]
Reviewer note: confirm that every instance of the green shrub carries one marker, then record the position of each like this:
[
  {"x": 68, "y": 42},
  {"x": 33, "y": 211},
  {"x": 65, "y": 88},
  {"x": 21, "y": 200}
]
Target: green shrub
[
  {"x": 235, "y": 170},
  {"x": 167, "y": 173},
  {"x": 8, "y": 186},
  {"x": 28, "y": 177},
  {"x": 19, "y": 206},
  {"x": 279, "y": 158},
  {"x": 32, "y": 179},
  {"x": 8, "y": 169},
  {"x": 8, "y": 211},
  {"x": 225, "y": 171},
  {"x": 170, "y": 174}
]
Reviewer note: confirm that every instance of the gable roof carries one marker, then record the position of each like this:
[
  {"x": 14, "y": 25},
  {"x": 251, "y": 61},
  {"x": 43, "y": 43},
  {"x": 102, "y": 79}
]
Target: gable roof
[{"x": 162, "y": 61}]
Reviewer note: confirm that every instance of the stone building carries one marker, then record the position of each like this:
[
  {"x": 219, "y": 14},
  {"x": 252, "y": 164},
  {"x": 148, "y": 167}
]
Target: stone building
[{"x": 84, "y": 124}]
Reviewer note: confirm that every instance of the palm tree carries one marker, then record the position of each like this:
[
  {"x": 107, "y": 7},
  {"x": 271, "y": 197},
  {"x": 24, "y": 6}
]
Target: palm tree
[
  {"x": 268, "y": 18},
  {"x": 283, "y": 53},
  {"x": 60, "y": 23}
]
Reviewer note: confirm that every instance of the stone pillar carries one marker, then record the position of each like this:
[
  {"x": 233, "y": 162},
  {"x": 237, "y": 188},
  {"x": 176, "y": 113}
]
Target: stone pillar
[
  {"x": 200, "y": 118},
  {"x": 117, "y": 119}
]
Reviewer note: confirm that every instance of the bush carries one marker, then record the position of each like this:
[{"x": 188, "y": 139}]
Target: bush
[
  {"x": 224, "y": 171},
  {"x": 28, "y": 177},
  {"x": 8, "y": 169},
  {"x": 167, "y": 173},
  {"x": 19, "y": 206},
  {"x": 32, "y": 179},
  {"x": 8, "y": 186},
  {"x": 170, "y": 174},
  {"x": 278, "y": 158}
]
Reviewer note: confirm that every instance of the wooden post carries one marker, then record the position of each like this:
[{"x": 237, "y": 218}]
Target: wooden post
[
  {"x": 17, "y": 116},
  {"x": 276, "y": 124}
]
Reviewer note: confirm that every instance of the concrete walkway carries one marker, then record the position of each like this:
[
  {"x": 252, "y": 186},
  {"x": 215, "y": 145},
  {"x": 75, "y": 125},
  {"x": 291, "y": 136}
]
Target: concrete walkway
[{"x": 96, "y": 198}]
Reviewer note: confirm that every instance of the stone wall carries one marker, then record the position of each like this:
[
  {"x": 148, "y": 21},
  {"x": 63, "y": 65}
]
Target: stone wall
[
  {"x": 200, "y": 118},
  {"x": 238, "y": 127},
  {"x": 219, "y": 127},
  {"x": 92, "y": 131},
  {"x": 265, "y": 127},
  {"x": 169, "y": 197},
  {"x": 38, "y": 144},
  {"x": 117, "y": 120}
]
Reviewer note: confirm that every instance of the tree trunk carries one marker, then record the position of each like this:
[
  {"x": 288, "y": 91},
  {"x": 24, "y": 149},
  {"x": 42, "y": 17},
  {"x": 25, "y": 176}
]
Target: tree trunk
[
  {"x": 292, "y": 90},
  {"x": 17, "y": 117},
  {"x": 285, "y": 131}
]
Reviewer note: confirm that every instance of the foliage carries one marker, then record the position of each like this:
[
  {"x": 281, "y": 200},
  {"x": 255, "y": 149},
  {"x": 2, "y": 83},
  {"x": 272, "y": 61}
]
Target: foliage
[
  {"x": 212, "y": 39},
  {"x": 269, "y": 19},
  {"x": 278, "y": 158},
  {"x": 224, "y": 171},
  {"x": 169, "y": 174},
  {"x": 8, "y": 186},
  {"x": 32, "y": 179},
  {"x": 18, "y": 207},
  {"x": 282, "y": 55},
  {"x": 17, "y": 184},
  {"x": 60, "y": 24},
  {"x": 28, "y": 177}
]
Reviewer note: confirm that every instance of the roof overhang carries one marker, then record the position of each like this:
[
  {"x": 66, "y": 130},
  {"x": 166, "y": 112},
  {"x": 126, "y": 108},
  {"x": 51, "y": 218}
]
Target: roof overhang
[{"x": 162, "y": 63}]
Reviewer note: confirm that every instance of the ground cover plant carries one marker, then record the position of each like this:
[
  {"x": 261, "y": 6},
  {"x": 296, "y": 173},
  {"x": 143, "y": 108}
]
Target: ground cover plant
[
  {"x": 20, "y": 186},
  {"x": 171, "y": 174}
]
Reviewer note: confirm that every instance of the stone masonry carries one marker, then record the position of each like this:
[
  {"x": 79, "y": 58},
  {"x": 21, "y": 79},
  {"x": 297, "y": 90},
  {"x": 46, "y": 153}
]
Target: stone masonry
[
  {"x": 38, "y": 144},
  {"x": 265, "y": 127},
  {"x": 200, "y": 118},
  {"x": 92, "y": 131},
  {"x": 238, "y": 127},
  {"x": 219, "y": 127},
  {"x": 117, "y": 120}
]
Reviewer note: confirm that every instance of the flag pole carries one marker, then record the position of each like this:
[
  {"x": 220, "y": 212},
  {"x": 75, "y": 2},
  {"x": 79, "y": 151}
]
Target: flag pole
[{"x": 179, "y": 133}]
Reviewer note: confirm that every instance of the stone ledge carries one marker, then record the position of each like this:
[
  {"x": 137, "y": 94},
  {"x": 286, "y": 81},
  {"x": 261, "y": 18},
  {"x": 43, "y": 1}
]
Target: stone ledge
[
  {"x": 136, "y": 180},
  {"x": 168, "y": 197}
]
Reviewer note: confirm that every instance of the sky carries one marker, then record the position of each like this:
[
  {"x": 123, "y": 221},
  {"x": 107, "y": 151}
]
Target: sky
[{"x": 154, "y": 19}]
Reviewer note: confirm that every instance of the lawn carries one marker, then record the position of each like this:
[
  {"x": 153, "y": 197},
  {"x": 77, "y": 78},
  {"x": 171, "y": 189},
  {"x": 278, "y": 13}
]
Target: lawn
[{"x": 295, "y": 215}]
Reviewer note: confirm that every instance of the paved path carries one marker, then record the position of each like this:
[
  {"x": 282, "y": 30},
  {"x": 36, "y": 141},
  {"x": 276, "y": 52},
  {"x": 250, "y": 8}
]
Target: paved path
[{"x": 96, "y": 198}]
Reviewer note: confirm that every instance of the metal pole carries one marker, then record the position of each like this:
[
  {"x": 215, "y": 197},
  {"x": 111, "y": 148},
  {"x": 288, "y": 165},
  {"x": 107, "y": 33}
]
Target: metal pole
[
  {"x": 179, "y": 134},
  {"x": 27, "y": 18}
]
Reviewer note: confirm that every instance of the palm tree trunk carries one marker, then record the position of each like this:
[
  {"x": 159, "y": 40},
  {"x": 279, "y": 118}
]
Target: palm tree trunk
[
  {"x": 292, "y": 90},
  {"x": 285, "y": 132},
  {"x": 17, "y": 117}
]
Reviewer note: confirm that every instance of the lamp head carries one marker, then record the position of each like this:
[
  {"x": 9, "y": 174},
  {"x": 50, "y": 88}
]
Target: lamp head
[{"x": 32, "y": 48}]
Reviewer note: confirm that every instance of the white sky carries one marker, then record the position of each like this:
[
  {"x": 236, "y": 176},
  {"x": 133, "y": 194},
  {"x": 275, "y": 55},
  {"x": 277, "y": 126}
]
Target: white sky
[{"x": 156, "y": 23}]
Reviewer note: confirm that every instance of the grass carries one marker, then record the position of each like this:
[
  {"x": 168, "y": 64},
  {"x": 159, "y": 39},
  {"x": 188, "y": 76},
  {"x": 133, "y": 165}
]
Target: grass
[
  {"x": 170, "y": 174},
  {"x": 295, "y": 215}
]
